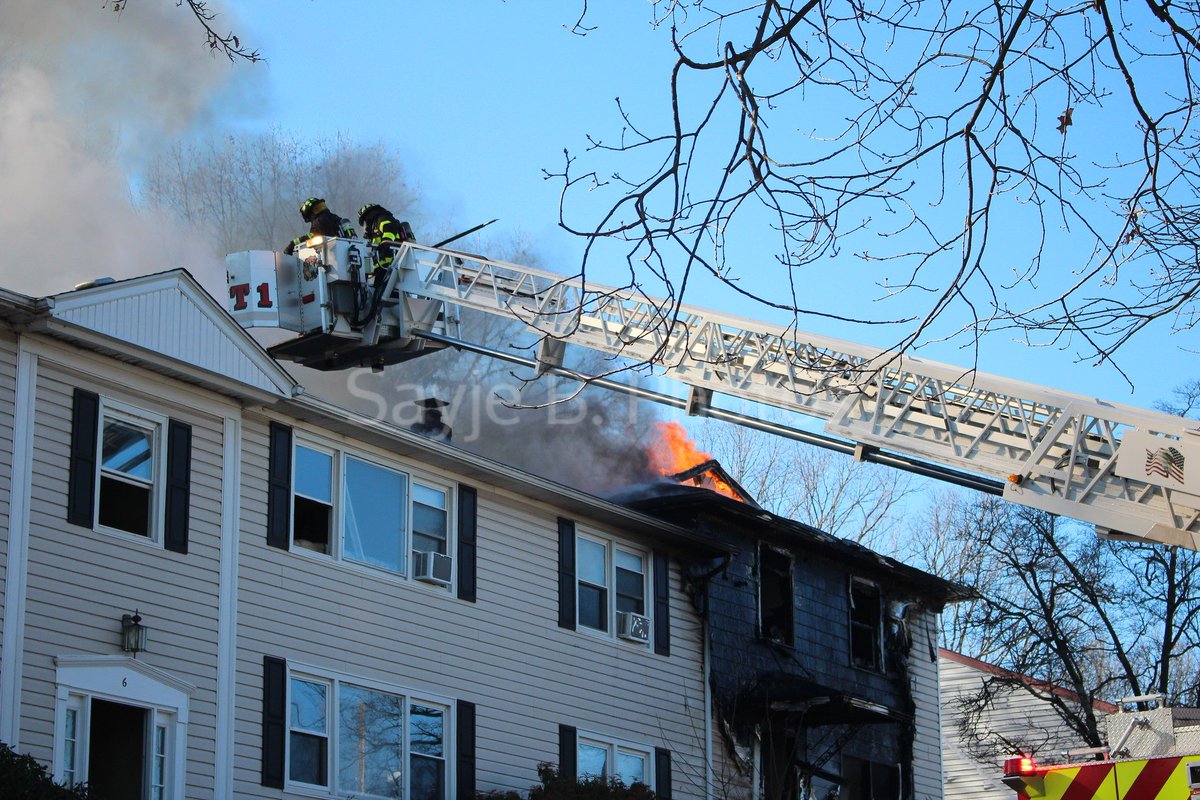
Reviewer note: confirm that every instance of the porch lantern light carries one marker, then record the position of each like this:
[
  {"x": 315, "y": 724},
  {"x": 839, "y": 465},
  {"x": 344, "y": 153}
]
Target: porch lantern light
[{"x": 133, "y": 633}]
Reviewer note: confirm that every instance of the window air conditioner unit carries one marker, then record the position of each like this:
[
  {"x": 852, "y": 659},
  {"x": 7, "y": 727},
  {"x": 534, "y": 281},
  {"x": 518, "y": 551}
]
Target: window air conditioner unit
[
  {"x": 432, "y": 568},
  {"x": 634, "y": 627}
]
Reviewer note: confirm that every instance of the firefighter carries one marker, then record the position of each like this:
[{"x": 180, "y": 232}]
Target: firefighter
[
  {"x": 431, "y": 424},
  {"x": 321, "y": 222},
  {"x": 384, "y": 232}
]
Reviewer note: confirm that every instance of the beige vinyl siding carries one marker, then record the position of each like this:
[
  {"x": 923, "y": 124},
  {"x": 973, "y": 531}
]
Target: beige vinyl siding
[
  {"x": 505, "y": 652},
  {"x": 8, "y": 399},
  {"x": 923, "y": 678},
  {"x": 81, "y": 581},
  {"x": 1019, "y": 716}
]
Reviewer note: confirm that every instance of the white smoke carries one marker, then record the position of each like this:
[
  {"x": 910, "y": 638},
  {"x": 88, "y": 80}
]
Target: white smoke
[{"x": 88, "y": 95}]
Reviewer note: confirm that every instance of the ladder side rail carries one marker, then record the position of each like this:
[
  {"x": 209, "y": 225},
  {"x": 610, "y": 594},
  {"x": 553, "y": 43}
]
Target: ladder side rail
[{"x": 969, "y": 420}]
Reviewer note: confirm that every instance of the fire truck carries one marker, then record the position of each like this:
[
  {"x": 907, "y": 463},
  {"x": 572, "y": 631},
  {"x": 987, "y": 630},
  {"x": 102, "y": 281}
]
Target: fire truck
[
  {"x": 1155, "y": 754},
  {"x": 1133, "y": 473}
]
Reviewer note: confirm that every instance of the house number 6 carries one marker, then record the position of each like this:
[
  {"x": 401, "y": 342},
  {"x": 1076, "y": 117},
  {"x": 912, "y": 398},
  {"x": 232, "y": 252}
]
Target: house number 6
[{"x": 124, "y": 681}]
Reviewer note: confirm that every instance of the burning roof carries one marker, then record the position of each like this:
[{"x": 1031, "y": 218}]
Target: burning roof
[{"x": 676, "y": 457}]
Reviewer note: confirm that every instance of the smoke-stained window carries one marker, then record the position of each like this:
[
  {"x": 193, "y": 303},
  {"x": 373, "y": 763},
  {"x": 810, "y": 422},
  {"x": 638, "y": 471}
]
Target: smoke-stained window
[
  {"x": 866, "y": 624},
  {"x": 776, "y": 603}
]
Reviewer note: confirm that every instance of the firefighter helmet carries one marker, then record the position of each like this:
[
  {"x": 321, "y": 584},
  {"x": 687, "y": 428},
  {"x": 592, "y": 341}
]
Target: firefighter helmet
[
  {"x": 311, "y": 207},
  {"x": 371, "y": 212}
]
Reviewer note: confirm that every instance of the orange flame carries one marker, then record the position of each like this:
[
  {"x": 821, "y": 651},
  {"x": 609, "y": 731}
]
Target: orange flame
[{"x": 675, "y": 452}]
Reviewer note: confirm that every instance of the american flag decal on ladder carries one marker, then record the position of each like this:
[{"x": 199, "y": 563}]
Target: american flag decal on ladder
[{"x": 1166, "y": 462}]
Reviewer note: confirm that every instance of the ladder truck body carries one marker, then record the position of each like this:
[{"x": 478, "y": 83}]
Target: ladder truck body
[
  {"x": 1133, "y": 473},
  {"x": 1153, "y": 754}
]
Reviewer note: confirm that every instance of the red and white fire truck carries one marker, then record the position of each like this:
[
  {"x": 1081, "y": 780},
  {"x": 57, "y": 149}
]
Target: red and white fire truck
[{"x": 1154, "y": 754}]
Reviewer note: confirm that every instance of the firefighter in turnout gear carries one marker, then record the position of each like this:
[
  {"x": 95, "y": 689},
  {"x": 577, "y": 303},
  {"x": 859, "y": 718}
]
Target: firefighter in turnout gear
[
  {"x": 384, "y": 232},
  {"x": 321, "y": 222}
]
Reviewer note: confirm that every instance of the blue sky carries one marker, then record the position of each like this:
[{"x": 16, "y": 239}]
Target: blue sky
[{"x": 479, "y": 97}]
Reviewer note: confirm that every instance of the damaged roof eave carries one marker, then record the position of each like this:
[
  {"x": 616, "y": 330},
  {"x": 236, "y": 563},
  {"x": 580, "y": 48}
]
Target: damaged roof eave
[
  {"x": 492, "y": 473},
  {"x": 792, "y": 535}
]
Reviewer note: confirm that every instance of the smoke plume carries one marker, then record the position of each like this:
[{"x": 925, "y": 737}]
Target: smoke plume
[{"x": 88, "y": 95}]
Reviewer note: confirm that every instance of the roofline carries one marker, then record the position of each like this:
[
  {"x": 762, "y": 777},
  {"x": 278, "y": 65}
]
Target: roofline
[
  {"x": 47, "y": 320},
  {"x": 495, "y": 473},
  {"x": 983, "y": 666}
]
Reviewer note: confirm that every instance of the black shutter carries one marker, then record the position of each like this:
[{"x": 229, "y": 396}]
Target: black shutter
[
  {"x": 179, "y": 485},
  {"x": 467, "y": 503},
  {"x": 662, "y": 603},
  {"x": 465, "y": 746},
  {"x": 81, "y": 482},
  {"x": 566, "y": 753},
  {"x": 274, "y": 720},
  {"x": 279, "y": 490},
  {"x": 566, "y": 573},
  {"x": 662, "y": 773}
]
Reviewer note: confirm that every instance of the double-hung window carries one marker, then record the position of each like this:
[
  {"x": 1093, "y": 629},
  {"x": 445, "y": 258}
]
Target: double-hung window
[
  {"x": 598, "y": 758},
  {"x": 361, "y": 510},
  {"x": 363, "y": 741},
  {"x": 129, "y": 471},
  {"x": 130, "y": 464},
  {"x": 611, "y": 588}
]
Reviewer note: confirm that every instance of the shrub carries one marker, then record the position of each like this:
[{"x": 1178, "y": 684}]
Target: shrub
[
  {"x": 555, "y": 787},
  {"x": 23, "y": 778}
]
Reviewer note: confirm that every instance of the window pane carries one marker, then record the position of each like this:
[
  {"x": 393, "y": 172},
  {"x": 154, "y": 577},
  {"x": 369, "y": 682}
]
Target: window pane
[
  {"x": 429, "y": 496},
  {"x": 428, "y": 778},
  {"x": 314, "y": 474},
  {"x": 308, "y": 706},
  {"x": 307, "y": 757},
  {"x": 631, "y": 767},
  {"x": 128, "y": 449},
  {"x": 429, "y": 528},
  {"x": 124, "y": 506},
  {"x": 590, "y": 558},
  {"x": 593, "y": 761},
  {"x": 629, "y": 561},
  {"x": 425, "y": 730},
  {"x": 310, "y": 524},
  {"x": 371, "y": 744},
  {"x": 593, "y": 607},
  {"x": 631, "y": 591},
  {"x": 374, "y": 518}
]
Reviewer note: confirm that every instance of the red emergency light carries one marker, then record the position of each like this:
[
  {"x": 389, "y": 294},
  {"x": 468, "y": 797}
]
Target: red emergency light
[{"x": 1019, "y": 765}]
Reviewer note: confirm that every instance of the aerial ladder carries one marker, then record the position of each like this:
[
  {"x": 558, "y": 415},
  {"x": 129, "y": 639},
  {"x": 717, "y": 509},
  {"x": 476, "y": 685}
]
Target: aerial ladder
[{"x": 1132, "y": 473}]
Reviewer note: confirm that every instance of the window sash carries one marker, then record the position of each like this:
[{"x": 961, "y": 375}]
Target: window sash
[
  {"x": 123, "y": 489},
  {"x": 351, "y": 525},
  {"x": 308, "y": 735}
]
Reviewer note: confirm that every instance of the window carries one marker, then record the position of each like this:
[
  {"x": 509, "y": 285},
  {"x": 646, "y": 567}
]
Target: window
[
  {"x": 776, "y": 602},
  {"x": 358, "y": 510},
  {"x": 596, "y": 758},
  {"x": 611, "y": 582},
  {"x": 866, "y": 619},
  {"x": 868, "y": 780},
  {"x": 363, "y": 741},
  {"x": 131, "y": 467}
]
